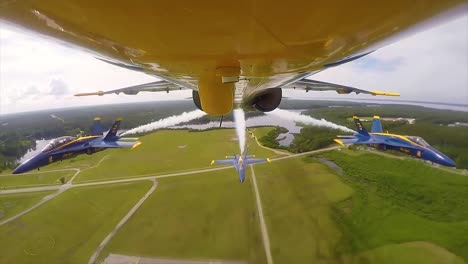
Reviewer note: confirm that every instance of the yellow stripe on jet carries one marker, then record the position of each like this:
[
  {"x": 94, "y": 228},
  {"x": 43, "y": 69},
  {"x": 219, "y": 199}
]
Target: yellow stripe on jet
[
  {"x": 73, "y": 141},
  {"x": 400, "y": 137}
]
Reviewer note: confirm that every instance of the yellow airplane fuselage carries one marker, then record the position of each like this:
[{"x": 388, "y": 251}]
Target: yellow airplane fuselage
[{"x": 195, "y": 43}]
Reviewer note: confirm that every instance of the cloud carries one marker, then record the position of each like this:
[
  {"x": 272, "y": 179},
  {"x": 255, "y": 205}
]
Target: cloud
[
  {"x": 58, "y": 88},
  {"x": 372, "y": 63}
]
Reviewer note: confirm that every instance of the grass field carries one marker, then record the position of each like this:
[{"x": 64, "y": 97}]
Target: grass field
[
  {"x": 12, "y": 204},
  {"x": 170, "y": 151},
  {"x": 68, "y": 228},
  {"x": 379, "y": 209},
  {"x": 206, "y": 216},
  {"x": 34, "y": 179},
  {"x": 407, "y": 201},
  {"x": 297, "y": 200}
]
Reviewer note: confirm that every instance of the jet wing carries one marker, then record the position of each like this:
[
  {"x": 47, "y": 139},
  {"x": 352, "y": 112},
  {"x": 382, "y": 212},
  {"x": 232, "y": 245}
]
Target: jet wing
[
  {"x": 223, "y": 162},
  {"x": 253, "y": 161},
  {"x": 312, "y": 85},
  {"x": 115, "y": 144},
  {"x": 159, "y": 86}
]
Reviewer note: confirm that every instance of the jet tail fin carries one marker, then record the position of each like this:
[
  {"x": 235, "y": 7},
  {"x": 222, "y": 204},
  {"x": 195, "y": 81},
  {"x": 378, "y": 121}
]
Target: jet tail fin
[
  {"x": 359, "y": 127},
  {"x": 376, "y": 125},
  {"x": 112, "y": 134},
  {"x": 96, "y": 128}
]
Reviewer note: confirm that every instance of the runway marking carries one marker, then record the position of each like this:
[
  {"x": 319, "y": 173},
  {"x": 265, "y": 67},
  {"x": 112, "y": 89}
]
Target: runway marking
[
  {"x": 106, "y": 240},
  {"x": 263, "y": 228}
]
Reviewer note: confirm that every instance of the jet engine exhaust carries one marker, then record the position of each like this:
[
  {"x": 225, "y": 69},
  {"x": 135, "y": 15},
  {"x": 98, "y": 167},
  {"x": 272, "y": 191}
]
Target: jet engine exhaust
[
  {"x": 285, "y": 114},
  {"x": 239, "y": 119},
  {"x": 166, "y": 122}
]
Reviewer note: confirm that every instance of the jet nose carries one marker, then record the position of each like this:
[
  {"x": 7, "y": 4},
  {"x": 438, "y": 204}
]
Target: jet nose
[
  {"x": 28, "y": 165},
  {"x": 449, "y": 162},
  {"x": 21, "y": 169},
  {"x": 444, "y": 160}
]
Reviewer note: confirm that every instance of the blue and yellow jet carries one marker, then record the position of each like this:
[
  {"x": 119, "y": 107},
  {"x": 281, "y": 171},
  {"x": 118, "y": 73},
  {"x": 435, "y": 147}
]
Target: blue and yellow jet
[
  {"x": 411, "y": 145},
  {"x": 68, "y": 147},
  {"x": 240, "y": 163}
]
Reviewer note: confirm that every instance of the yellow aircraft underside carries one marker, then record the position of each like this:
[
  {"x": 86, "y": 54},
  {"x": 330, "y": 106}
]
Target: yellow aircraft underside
[{"x": 195, "y": 42}]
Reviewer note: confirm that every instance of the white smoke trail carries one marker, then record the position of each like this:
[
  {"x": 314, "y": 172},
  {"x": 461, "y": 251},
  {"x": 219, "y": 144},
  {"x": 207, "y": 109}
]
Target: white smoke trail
[
  {"x": 239, "y": 119},
  {"x": 297, "y": 117},
  {"x": 166, "y": 122}
]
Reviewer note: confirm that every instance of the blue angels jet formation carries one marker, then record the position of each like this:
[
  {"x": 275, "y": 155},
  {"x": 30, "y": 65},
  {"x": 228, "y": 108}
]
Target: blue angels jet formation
[
  {"x": 240, "y": 163},
  {"x": 411, "y": 145},
  {"x": 68, "y": 147}
]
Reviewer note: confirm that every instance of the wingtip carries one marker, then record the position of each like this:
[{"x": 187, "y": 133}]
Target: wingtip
[
  {"x": 377, "y": 117},
  {"x": 269, "y": 160},
  {"x": 136, "y": 145},
  {"x": 355, "y": 117},
  {"x": 384, "y": 93},
  {"x": 100, "y": 93},
  {"x": 339, "y": 142},
  {"x": 97, "y": 118},
  {"x": 212, "y": 162}
]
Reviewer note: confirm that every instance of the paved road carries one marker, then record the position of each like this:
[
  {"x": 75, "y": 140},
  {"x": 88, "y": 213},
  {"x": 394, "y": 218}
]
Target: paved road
[
  {"x": 146, "y": 177},
  {"x": 263, "y": 228},
  {"x": 106, "y": 240},
  {"x": 306, "y": 153},
  {"x": 123, "y": 259}
]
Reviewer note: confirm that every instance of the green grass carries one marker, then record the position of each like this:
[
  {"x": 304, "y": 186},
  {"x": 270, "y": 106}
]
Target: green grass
[
  {"x": 34, "y": 179},
  {"x": 398, "y": 201},
  {"x": 261, "y": 131},
  {"x": 12, "y": 204},
  {"x": 68, "y": 228},
  {"x": 207, "y": 216},
  {"x": 408, "y": 253},
  {"x": 170, "y": 151},
  {"x": 297, "y": 200}
]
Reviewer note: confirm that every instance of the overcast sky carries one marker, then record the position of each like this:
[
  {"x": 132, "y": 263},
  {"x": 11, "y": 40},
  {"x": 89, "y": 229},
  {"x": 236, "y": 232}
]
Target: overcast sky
[{"x": 38, "y": 74}]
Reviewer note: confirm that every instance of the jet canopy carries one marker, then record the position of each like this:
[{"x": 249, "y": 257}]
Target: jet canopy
[
  {"x": 57, "y": 142},
  {"x": 418, "y": 140}
]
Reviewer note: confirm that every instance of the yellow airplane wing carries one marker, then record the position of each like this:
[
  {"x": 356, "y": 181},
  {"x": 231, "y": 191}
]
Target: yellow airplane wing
[
  {"x": 159, "y": 86},
  {"x": 311, "y": 85}
]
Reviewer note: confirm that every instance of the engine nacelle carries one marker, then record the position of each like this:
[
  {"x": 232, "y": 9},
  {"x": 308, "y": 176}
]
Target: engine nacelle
[{"x": 267, "y": 100}]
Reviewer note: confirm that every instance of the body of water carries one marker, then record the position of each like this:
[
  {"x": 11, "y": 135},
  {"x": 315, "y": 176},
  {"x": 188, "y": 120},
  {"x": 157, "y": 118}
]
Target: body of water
[{"x": 264, "y": 120}]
